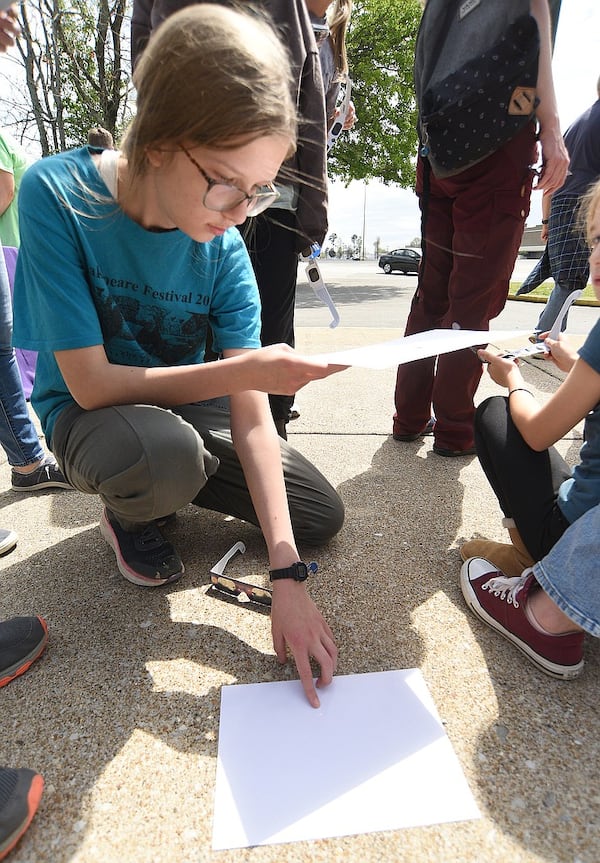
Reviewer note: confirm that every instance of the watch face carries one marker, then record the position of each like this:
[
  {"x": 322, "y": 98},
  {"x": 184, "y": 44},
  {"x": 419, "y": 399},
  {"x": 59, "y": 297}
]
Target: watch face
[{"x": 301, "y": 571}]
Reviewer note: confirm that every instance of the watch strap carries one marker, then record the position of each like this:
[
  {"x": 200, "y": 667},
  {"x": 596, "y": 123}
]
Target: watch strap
[{"x": 298, "y": 571}]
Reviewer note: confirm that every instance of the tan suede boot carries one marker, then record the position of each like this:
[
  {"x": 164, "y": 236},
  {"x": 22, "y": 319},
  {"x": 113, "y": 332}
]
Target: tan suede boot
[{"x": 511, "y": 558}]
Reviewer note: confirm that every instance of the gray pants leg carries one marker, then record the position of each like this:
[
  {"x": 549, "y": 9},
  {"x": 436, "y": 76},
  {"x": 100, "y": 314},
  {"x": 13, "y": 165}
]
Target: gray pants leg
[
  {"x": 146, "y": 462},
  {"x": 316, "y": 509}
]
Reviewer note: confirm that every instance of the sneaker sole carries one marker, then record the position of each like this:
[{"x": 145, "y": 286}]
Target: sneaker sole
[
  {"x": 559, "y": 672},
  {"x": 128, "y": 573},
  {"x": 9, "y": 544},
  {"x": 454, "y": 453},
  {"x": 34, "y": 796},
  {"x": 26, "y": 663},
  {"x": 42, "y": 485},
  {"x": 409, "y": 438}
]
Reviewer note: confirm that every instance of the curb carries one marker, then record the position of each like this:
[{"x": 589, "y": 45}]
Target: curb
[{"x": 526, "y": 299}]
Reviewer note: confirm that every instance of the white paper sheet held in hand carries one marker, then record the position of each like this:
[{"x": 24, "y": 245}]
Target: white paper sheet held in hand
[
  {"x": 385, "y": 355},
  {"x": 373, "y": 757}
]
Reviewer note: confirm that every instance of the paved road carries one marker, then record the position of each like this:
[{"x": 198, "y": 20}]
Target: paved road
[{"x": 366, "y": 297}]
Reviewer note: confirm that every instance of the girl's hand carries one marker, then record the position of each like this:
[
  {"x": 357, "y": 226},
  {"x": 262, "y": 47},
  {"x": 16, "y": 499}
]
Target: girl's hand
[
  {"x": 279, "y": 370},
  {"x": 560, "y": 351},
  {"x": 503, "y": 371},
  {"x": 350, "y": 118},
  {"x": 297, "y": 624}
]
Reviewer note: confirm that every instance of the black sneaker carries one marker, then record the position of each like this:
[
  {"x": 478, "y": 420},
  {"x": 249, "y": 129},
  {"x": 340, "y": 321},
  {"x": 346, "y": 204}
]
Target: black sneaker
[
  {"x": 407, "y": 438},
  {"x": 20, "y": 794},
  {"x": 46, "y": 475},
  {"x": 453, "y": 453},
  {"x": 144, "y": 558},
  {"x": 22, "y": 641}
]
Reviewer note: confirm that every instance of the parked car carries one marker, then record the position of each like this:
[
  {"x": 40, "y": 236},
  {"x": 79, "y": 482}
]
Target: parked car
[{"x": 404, "y": 260}]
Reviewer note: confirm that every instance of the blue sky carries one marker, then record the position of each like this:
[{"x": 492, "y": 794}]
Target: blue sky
[{"x": 392, "y": 214}]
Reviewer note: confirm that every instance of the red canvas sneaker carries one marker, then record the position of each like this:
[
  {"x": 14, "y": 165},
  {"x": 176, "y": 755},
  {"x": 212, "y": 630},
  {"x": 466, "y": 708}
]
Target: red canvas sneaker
[{"x": 500, "y": 602}]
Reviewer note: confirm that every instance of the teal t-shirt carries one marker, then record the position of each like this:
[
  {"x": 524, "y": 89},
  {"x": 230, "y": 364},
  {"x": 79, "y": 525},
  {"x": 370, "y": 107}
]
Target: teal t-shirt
[
  {"x": 582, "y": 490},
  {"x": 89, "y": 275}
]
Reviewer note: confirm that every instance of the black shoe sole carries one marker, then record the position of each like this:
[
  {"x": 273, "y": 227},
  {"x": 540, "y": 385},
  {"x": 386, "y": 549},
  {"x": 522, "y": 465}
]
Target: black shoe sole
[
  {"x": 407, "y": 438},
  {"x": 454, "y": 453}
]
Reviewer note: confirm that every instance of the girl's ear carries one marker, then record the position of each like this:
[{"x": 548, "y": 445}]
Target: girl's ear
[{"x": 155, "y": 157}]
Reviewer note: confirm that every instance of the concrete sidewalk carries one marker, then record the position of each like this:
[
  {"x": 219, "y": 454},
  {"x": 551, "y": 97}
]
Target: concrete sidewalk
[{"x": 121, "y": 715}]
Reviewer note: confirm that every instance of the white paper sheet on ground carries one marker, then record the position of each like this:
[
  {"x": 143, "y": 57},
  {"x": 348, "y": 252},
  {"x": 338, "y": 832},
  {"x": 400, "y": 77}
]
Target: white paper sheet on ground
[
  {"x": 373, "y": 757},
  {"x": 383, "y": 355}
]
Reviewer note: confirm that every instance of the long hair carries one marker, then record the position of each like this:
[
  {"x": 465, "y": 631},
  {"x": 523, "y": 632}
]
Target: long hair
[
  {"x": 209, "y": 76},
  {"x": 338, "y": 18},
  {"x": 588, "y": 208}
]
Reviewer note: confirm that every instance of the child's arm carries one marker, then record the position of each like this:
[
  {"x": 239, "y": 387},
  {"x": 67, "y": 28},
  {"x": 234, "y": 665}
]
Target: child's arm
[
  {"x": 94, "y": 382},
  {"x": 544, "y": 425},
  {"x": 296, "y": 622}
]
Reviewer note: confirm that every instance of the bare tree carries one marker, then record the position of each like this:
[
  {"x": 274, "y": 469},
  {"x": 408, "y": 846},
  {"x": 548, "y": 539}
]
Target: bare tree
[{"x": 75, "y": 62}]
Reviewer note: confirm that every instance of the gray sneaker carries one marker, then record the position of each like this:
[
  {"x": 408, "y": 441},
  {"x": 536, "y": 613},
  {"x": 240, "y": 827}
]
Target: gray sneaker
[
  {"x": 22, "y": 641},
  {"x": 20, "y": 794},
  {"x": 46, "y": 475}
]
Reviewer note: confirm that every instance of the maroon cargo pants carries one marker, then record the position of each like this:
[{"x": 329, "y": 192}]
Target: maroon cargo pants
[{"x": 471, "y": 226}]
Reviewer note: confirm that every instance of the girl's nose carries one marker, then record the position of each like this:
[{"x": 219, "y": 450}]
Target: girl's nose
[{"x": 238, "y": 214}]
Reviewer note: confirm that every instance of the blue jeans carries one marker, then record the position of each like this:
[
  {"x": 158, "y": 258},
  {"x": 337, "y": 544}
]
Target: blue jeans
[
  {"x": 569, "y": 572},
  {"x": 552, "y": 308},
  {"x": 18, "y": 436}
]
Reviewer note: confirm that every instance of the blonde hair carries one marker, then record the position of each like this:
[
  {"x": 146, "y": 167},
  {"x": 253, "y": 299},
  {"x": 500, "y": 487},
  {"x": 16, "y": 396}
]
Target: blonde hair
[
  {"x": 589, "y": 205},
  {"x": 210, "y": 76},
  {"x": 338, "y": 19}
]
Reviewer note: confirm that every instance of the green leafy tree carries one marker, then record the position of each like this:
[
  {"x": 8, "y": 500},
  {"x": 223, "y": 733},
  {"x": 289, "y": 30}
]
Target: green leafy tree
[
  {"x": 383, "y": 143},
  {"x": 76, "y": 67}
]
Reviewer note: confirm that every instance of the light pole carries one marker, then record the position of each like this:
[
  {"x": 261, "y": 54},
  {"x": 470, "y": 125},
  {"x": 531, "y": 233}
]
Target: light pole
[{"x": 364, "y": 224}]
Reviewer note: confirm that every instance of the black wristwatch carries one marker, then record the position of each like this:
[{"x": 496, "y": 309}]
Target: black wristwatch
[
  {"x": 299, "y": 571},
  {"x": 545, "y": 221}
]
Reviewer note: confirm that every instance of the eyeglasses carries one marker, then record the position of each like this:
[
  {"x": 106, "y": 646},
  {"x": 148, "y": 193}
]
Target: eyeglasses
[
  {"x": 221, "y": 196},
  {"x": 231, "y": 589},
  {"x": 241, "y": 590}
]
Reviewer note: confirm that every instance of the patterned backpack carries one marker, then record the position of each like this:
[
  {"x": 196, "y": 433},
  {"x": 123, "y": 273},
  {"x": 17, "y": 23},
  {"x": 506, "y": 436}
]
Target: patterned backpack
[{"x": 476, "y": 66}]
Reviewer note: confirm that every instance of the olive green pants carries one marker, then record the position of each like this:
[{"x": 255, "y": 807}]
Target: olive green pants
[{"x": 146, "y": 462}]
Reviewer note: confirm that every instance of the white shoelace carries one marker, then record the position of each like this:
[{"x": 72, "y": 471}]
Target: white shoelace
[{"x": 507, "y": 588}]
